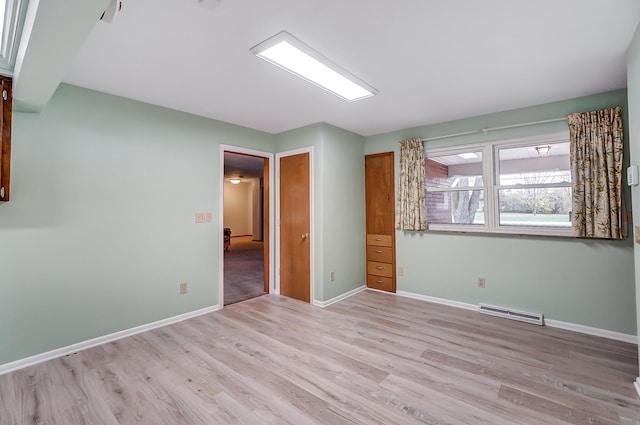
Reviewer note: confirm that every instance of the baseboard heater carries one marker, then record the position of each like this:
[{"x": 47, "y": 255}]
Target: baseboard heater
[{"x": 522, "y": 316}]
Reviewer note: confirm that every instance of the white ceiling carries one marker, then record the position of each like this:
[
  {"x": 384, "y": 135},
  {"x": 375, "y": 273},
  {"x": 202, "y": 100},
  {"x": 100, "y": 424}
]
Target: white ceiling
[{"x": 431, "y": 60}]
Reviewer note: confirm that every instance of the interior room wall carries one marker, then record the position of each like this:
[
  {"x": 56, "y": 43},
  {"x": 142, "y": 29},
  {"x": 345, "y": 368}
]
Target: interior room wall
[
  {"x": 238, "y": 207},
  {"x": 101, "y": 227},
  {"x": 343, "y": 211},
  {"x": 633, "y": 87},
  {"x": 583, "y": 282},
  {"x": 257, "y": 216},
  {"x": 338, "y": 233}
]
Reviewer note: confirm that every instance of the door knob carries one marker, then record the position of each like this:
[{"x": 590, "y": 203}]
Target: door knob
[{"x": 305, "y": 235}]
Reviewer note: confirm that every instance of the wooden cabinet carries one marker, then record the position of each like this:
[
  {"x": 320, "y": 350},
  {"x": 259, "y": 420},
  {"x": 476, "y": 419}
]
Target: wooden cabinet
[
  {"x": 5, "y": 138},
  {"x": 380, "y": 222}
]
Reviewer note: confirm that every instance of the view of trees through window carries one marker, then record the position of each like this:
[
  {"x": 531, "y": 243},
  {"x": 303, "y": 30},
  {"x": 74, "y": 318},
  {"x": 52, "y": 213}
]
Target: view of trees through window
[
  {"x": 538, "y": 203},
  {"x": 531, "y": 186}
]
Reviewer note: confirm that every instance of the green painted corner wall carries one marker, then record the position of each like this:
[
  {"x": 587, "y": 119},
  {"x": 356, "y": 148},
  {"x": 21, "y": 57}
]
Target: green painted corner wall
[
  {"x": 343, "y": 211},
  {"x": 100, "y": 230},
  {"x": 589, "y": 283},
  {"x": 338, "y": 212},
  {"x": 633, "y": 87}
]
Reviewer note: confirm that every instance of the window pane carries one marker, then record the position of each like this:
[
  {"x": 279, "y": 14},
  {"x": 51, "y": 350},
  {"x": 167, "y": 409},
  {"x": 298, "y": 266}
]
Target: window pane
[
  {"x": 460, "y": 170},
  {"x": 535, "y": 164},
  {"x": 535, "y": 207},
  {"x": 456, "y": 206}
]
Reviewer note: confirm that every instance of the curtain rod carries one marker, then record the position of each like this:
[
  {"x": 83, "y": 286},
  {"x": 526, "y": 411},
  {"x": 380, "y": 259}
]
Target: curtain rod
[{"x": 486, "y": 130}]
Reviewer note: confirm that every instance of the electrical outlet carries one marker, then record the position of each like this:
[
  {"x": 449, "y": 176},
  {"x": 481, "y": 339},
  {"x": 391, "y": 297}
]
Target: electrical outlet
[
  {"x": 332, "y": 276},
  {"x": 481, "y": 282},
  {"x": 183, "y": 288},
  {"x": 400, "y": 271}
]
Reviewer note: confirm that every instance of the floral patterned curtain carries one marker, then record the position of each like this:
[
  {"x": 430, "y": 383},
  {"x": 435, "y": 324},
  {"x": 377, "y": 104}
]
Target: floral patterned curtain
[
  {"x": 411, "y": 210},
  {"x": 596, "y": 173}
]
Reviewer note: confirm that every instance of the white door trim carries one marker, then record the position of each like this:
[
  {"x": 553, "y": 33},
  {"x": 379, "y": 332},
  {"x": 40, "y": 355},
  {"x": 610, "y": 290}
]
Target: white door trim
[
  {"x": 269, "y": 225},
  {"x": 308, "y": 150}
]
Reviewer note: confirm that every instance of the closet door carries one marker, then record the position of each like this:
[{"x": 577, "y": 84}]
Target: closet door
[{"x": 380, "y": 222}]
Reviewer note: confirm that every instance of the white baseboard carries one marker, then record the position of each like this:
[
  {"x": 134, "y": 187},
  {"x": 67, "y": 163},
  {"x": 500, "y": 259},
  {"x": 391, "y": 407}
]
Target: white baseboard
[
  {"x": 618, "y": 336},
  {"x": 346, "y": 295},
  {"x": 435, "y": 300},
  {"x": 70, "y": 349},
  {"x": 637, "y": 385},
  {"x": 632, "y": 339}
]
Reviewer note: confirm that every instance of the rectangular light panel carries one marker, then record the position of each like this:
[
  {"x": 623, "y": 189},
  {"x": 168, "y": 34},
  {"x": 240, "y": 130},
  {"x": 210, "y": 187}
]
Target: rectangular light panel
[{"x": 290, "y": 54}]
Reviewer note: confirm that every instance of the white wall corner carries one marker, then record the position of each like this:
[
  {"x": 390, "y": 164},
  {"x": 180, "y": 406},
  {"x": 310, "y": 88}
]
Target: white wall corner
[
  {"x": 334, "y": 300},
  {"x": 74, "y": 348}
]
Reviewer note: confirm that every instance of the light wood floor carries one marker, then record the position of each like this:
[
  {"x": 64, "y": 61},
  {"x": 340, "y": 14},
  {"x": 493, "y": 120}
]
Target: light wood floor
[{"x": 371, "y": 359}]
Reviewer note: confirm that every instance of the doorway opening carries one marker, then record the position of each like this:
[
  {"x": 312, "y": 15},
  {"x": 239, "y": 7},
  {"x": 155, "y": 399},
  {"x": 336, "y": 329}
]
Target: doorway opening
[{"x": 246, "y": 246}]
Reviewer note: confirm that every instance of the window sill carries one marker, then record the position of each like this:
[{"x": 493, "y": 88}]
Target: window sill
[{"x": 511, "y": 230}]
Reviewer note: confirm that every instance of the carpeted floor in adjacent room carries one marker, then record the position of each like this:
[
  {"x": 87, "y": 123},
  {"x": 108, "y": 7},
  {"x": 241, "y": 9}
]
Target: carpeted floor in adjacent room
[{"x": 243, "y": 270}]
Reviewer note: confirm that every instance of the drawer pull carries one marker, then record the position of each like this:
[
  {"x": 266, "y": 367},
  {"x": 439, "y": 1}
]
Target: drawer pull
[
  {"x": 379, "y": 268},
  {"x": 379, "y": 251},
  {"x": 379, "y": 281},
  {"x": 378, "y": 239}
]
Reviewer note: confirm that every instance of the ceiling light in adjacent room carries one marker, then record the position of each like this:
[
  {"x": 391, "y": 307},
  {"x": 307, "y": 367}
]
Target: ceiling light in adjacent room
[
  {"x": 235, "y": 181},
  {"x": 291, "y": 54},
  {"x": 543, "y": 150},
  {"x": 468, "y": 155}
]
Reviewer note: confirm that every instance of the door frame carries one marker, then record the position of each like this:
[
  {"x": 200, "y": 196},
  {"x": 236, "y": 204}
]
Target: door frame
[
  {"x": 276, "y": 266},
  {"x": 269, "y": 225}
]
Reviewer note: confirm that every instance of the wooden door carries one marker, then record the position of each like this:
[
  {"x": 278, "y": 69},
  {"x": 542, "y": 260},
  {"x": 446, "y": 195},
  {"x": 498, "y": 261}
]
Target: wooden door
[
  {"x": 295, "y": 248},
  {"x": 380, "y": 211},
  {"x": 379, "y": 194}
]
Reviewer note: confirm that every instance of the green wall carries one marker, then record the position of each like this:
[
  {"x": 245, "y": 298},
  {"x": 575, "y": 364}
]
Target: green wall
[
  {"x": 338, "y": 233},
  {"x": 343, "y": 212},
  {"x": 589, "y": 283},
  {"x": 633, "y": 86},
  {"x": 100, "y": 230}
]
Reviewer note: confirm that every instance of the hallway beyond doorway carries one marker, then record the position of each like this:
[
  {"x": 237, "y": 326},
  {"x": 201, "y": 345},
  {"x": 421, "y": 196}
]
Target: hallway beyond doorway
[{"x": 243, "y": 270}]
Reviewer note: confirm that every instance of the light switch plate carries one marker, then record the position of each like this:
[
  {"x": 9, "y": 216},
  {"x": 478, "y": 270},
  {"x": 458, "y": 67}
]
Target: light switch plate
[
  {"x": 209, "y": 216},
  {"x": 200, "y": 217}
]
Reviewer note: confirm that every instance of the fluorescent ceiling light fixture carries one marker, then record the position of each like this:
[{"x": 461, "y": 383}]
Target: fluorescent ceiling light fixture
[
  {"x": 468, "y": 155},
  {"x": 235, "y": 181},
  {"x": 291, "y": 54}
]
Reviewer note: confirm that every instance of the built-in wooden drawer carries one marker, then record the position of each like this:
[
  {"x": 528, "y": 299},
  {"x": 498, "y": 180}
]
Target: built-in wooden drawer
[
  {"x": 380, "y": 282},
  {"x": 379, "y": 240},
  {"x": 382, "y": 254},
  {"x": 379, "y": 269}
]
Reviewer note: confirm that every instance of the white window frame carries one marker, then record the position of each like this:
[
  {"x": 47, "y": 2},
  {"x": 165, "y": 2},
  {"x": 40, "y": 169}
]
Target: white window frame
[{"x": 491, "y": 180}]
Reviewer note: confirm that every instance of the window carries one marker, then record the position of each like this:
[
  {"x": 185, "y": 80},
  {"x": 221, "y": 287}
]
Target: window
[
  {"x": 519, "y": 186},
  {"x": 13, "y": 14},
  {"x": 455, "y": 187}
]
